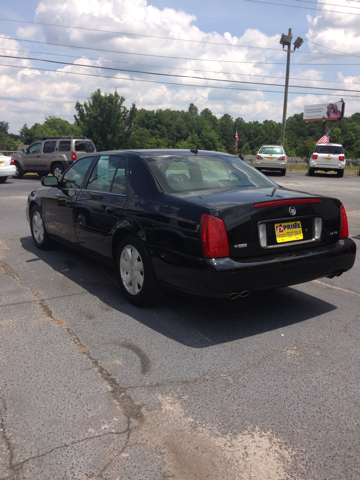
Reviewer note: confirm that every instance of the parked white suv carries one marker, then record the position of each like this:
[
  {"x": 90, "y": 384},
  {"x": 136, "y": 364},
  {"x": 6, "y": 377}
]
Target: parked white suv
[
  {"x": 51, "y": 155},
  {"x": 328, "y": 157}
]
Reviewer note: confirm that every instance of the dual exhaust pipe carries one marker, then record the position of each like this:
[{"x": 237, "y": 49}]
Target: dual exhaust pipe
[{"x": 235, "y": 295}]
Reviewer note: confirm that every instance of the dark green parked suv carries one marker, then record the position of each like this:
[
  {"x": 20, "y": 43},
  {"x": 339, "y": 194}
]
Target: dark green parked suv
[{"x": 51, "y": 155}]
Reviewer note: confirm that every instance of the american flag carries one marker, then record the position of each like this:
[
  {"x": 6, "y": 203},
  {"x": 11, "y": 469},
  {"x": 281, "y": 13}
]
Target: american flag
[
  {"x": 236, "y": 138},
  {"x": 325, "y": 138}
]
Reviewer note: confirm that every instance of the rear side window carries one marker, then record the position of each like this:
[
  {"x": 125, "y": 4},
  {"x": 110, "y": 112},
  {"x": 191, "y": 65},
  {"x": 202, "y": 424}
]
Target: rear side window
[
  {"x": 84, "y": 146},
  {"x": 49, "y": 146},
  {"x": 64, "y": 146},
  {"x": 331, "y": 149}
]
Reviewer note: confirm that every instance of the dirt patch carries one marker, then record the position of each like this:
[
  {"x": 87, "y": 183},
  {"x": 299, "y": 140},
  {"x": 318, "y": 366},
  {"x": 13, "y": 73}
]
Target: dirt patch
[{"x": 196, "y": 453}]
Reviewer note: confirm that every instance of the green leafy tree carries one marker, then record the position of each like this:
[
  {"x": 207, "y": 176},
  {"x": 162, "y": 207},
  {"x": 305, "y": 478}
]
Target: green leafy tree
[
  {"x": 304, "y": 149},
  {"x": 103, "y": 119},
  {"x": 4, "y": 127}
]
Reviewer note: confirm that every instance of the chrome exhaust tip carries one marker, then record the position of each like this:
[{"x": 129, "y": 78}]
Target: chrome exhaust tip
[{"x": 235, "y": 295}]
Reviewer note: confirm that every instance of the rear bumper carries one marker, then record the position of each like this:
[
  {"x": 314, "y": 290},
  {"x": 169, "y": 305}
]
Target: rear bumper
[
  {"x": 327, "y": 166},
  {"x": 222, "y": 277},
  {"x": 270, "y": 165},
  {"x": 7, "y": 171}
]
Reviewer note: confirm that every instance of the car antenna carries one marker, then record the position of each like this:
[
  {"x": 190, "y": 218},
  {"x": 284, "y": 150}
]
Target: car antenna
[{"x": 194, "y": 150}]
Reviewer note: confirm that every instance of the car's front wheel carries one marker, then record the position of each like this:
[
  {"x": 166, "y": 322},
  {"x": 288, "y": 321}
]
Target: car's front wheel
[
  {"x": 137, "y": 278},
  {"x": 38, "y": 230},
  {"x": 57, "y": 170},
  {"x": 19, "y": 171},
  {"x": 3, "y": 179}
]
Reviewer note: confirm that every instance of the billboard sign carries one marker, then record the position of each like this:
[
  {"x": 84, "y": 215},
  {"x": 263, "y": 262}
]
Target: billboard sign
[{"x": 325, "y": 112}]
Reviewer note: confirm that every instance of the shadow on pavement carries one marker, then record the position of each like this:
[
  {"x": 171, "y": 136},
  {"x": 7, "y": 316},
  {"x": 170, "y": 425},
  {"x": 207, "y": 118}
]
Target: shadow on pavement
[{"x": 197, "y": 323}]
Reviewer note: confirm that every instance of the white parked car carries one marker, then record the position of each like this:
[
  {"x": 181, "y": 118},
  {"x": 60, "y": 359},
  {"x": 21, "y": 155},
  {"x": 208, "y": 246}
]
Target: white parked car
[
  {"x": 271, "y": 157},
  {"x": 7, "y": 167},
  {"x": 328, "y": 157}
]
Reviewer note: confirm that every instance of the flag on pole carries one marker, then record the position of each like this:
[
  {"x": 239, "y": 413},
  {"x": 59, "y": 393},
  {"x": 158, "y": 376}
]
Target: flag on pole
[
  {"x": 325, "y": 138},
  {"x": 236, "y": 138}
]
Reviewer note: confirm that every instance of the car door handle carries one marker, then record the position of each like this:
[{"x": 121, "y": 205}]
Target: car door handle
[
  {"x": 110, "y": 210},
  {"x": 96, "y": 197}
]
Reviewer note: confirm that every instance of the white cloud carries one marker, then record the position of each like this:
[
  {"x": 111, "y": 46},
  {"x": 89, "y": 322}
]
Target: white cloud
[{"x": 55, "y": 92}]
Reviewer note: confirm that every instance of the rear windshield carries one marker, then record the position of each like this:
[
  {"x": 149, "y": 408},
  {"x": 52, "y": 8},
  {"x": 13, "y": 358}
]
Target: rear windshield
[
  {"x": 272, "y": 150},
  {"x": 190, "y": 173},
  {"x": 335, "y": 150},
  {"x": 84, "y": 146}
]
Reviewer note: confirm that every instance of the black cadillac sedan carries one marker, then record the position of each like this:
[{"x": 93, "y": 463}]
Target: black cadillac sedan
[{"x": 197, "y": 222}]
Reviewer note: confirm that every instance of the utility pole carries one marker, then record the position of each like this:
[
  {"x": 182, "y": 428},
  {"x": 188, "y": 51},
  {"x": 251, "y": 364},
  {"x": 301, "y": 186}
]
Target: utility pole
[
  {"x": 286, "y": 40},
  {"x": 286, "y": 88}
]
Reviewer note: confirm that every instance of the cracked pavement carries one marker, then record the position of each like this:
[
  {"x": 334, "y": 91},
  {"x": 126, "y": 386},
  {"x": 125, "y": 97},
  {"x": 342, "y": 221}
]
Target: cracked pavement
[{"x": 94, "y": 388}]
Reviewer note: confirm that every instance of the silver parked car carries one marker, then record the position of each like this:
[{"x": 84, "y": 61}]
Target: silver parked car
[
  {"x": 328, "y": 157},
  {"x": 7, "y": 167},
  {"x": 51, "y": 155},
  {"x": 271, "y": 158}
]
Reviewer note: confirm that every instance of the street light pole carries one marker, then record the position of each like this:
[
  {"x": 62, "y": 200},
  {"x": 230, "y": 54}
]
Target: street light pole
[
  {"x": 286, "y": 40},
  {"x": 286, "y": 89}
]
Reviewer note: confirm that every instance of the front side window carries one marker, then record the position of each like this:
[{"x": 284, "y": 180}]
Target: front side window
[
  {"x": 74, "y": 177},
  {"x": 108, "y": 169},
  {"x": 190, "y": 173},
  {"x": 34, "y": 148},
  {"x": 49, "y": 146}
]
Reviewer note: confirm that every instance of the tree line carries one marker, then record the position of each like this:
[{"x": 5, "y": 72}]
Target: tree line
[{"x": 111, "y": 125}]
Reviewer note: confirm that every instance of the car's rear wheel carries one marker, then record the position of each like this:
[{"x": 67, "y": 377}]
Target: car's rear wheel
[
  {"x": 19, "y": 171},
  {"x": 3, "y": 179},
  {"x": 340, "y": 173},
  {"x": 137, "y": 279},
  {"x": 311, "y": 171},
  {"x": 38, "y": 231},
  {"x": 57, "y": 170},
  {"x": 283, "y": 173}
]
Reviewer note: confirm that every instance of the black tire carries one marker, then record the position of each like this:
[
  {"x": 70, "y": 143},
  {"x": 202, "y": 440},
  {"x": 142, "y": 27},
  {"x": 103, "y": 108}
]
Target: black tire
[
  {"x": 38, "y": 231},
  {"x": 19, "y": 171},
  {"x": 57, "y": 170},
  {"x": 311, "y": 171},
  {"x": 340, "y": 173},
  {"x": 283, "y": 173},
  {"x": 137, "y": 278},
  {"x": 3, "y": 179}
]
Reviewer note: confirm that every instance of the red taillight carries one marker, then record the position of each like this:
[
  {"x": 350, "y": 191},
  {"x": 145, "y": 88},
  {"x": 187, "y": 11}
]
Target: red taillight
[
  {"x": 12, "y": 161},
  {"x": 214, "y": 239},
  {"x": 282, "y": 158},
  {"x": 73, "y": 156},
  {"x": 294, "y": 201},
  {"x": 344, "y": 226},
  {"x": 315, "y": 156},
  {"x": 341, "y": 158},
  {"x": 259, "y": 157}
]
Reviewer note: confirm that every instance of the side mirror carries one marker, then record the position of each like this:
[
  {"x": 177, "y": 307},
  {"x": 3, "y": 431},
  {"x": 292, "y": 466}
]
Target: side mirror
[
  {"x": 49, "y": 181},
  {"x": 25, "y": 150}
]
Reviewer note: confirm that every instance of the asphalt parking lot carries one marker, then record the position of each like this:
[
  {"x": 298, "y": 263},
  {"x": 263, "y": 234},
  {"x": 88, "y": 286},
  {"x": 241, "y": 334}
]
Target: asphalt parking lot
[{"x": 91, "y": 387}]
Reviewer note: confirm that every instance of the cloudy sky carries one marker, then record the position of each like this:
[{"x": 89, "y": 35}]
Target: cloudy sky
[{"x": 218, "y": 54}]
